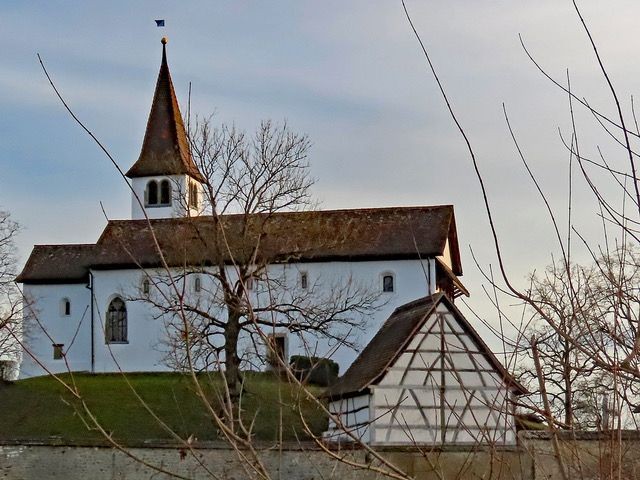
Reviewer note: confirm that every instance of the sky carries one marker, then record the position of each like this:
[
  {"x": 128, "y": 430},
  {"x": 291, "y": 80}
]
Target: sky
[{"x": 348, "y": 74}]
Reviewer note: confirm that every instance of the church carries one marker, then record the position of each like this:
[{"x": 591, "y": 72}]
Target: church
[
  {"x": 160, "y": 292},
  {"x": 90, "y": 307}
]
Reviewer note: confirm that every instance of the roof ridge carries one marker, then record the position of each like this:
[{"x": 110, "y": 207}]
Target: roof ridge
[
  {"x": 434, "y": 298},
  {"x": 201, "y": 218},
  {"x": 64, "y": 245}
]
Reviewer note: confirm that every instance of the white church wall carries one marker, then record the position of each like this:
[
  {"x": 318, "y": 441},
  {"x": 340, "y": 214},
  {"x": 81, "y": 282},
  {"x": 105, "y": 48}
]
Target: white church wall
[
  {"x": 46, "y": 324},
  {"x": 143, "y": 350},
  {"x": 409, "y": 284},
  {"x": 321, "y": 276},
  {"x": 146, "y": 349}
]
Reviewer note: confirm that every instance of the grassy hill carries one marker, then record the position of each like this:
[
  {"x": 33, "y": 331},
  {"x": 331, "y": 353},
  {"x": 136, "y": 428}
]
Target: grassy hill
[{"x": 40, "y": 408}]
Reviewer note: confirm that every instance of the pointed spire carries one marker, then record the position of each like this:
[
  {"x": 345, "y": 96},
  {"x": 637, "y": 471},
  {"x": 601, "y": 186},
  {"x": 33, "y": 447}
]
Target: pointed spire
[{"x": 165, "y": 149}]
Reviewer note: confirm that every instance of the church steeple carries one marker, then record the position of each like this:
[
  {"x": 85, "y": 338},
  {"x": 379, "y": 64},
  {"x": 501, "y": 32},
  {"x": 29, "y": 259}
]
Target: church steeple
[{"x": 165, "y": 149}]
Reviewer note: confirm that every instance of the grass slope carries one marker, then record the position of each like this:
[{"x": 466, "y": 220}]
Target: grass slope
[{"x": 40, "y": 408}]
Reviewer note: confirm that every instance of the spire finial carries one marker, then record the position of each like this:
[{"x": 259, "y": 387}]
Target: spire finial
[{"x": 164, "y": 40}]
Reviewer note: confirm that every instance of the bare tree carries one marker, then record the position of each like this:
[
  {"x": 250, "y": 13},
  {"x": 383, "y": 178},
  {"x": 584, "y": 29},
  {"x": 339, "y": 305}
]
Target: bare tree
[
  {"x": 244, "y": 295},
  {"x": 10, "y": 313},
  {"x": 603, "y": 341},
  {"x": 578, "y": 299}
]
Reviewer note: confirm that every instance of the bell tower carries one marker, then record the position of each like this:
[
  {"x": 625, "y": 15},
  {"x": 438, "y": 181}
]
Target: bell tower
[{"x": 165, "y": 178}]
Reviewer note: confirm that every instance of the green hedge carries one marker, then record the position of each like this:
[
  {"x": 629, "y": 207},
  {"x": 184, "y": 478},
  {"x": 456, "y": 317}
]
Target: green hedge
[{"x": 315, "y": 370}]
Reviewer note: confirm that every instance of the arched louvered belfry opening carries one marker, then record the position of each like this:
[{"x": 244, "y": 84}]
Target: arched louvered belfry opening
[
  {"x": 165, "y": 192},
  {"x": 152, "y": 193}
]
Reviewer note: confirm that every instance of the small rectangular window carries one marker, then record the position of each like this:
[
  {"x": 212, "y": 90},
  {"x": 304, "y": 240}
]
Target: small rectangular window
[
  {"x": 249, "y": 283},
  {"x": 197, "y": 285},
  {"x": 67, "y": 307},
  {"x": 387, "y": 283},
  {"x": 57, "y": 351},
  {"x": 304, "y": 280}
]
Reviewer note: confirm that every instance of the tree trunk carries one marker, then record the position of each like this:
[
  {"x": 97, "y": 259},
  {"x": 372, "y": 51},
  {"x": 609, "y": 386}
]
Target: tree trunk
[
  {"x": 232, "y": 372},
  {"x": 568, "y": 386}
]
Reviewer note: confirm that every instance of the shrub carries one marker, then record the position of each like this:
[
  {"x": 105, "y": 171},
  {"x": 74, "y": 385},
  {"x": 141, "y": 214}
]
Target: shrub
[{"x": 316, "y": 370}]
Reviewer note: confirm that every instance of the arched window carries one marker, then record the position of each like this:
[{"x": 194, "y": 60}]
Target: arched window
[
  {"x": 197, "y": 284},
  {"x": 193, "y": 195},
  {"x": 152, "y": 193},
  {"x": 116, "y": 324},
  {"x": 65, "y": 307},
  {"x": 388, "y": 283},
  {"x": 165, "y": 192}
]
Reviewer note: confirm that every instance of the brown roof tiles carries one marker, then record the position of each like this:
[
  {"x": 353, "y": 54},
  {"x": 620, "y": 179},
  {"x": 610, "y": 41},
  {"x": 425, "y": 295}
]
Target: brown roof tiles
[
  {"x": 324, "y": 235},
  {"x": 165, "y": 149}
]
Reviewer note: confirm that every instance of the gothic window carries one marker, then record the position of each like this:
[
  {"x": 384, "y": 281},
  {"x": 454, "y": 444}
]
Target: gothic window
[
  {"x": 388, "y": 283},
  {"x": 152, "y": 193},
  {"x": 116, "y": 324},
  {"x": 193, "y": 195},
  {"x": 165, "y": 192}
]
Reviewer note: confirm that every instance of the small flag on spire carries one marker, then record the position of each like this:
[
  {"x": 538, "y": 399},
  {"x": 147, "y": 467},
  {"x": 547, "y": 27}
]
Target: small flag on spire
[{"x": 160, "y": 23}]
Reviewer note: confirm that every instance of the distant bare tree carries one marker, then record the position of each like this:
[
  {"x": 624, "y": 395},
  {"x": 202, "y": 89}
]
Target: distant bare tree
[
  {"x": 578, "y": 300},
  {"x": 589, "y": 332},
  {"x": 10, "y": 306}
]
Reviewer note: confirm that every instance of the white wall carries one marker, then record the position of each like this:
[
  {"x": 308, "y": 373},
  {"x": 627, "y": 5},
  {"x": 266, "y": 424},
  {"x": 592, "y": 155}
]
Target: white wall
[
  {"x": 144, "y": 333},
  {"x": 351, "y": 415},
  {"x": 178, "y": 204},
  {"x": 146, "y": 350},
  {"x": 410, "y": 284},
  {"x": 46, "y": 324}
]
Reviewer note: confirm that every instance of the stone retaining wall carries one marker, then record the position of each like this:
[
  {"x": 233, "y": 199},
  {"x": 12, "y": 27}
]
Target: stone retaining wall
[{"x": 587, "y": 456}]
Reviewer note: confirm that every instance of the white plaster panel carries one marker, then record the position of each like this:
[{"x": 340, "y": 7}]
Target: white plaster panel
[
  {"x": 389, "y": 397},
  {"x": 414, "y": 377},
  {"x": 458, "y": 360},
  {"x": 402, "y": 361},
  {"x": 430, "y": 342}
]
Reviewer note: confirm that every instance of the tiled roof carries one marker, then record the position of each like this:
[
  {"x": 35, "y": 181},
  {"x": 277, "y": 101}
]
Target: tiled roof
[
  {"x": 165, "y": 149},
  {"x": 323, "y": 235},
  {"x": 391, "y": 339},
  {"x": 58, "y": 263}
]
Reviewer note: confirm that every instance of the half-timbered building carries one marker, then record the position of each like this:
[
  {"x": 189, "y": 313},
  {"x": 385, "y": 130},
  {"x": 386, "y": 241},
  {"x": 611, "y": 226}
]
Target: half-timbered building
[{"x": 425, "y": 378}]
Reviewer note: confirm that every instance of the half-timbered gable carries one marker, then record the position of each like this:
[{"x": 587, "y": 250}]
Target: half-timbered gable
[{"x": 426, "y": 378}]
